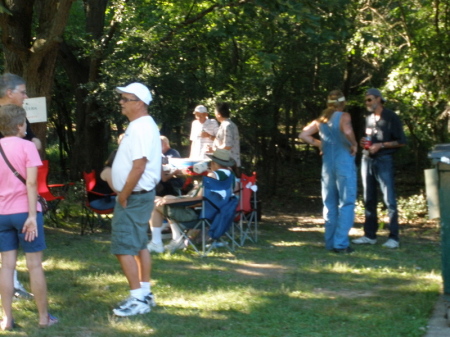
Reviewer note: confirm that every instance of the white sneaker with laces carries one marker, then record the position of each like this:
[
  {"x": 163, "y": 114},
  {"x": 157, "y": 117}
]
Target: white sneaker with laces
[
  {"x": 131, "y": 306},
  {"x": 155, "y": 247},
  {"x": 174, "y": 245},
  {"x": 391, "y": 243},
  {"x": 364, "y": 240},
  {"x": 150, "y": 298}
]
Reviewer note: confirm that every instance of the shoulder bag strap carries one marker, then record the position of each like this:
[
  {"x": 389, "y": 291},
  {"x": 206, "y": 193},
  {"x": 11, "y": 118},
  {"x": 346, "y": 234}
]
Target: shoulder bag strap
[{"x": 17, "y": 174}]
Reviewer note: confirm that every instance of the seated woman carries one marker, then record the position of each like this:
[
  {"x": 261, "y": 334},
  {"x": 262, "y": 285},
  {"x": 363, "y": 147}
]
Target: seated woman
[
  {"x": 21, "y": 219},
  {"x": 221, "y": 162}
]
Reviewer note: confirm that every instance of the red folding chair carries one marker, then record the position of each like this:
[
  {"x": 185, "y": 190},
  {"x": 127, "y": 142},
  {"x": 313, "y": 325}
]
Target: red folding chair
[
  {"x": 246, "y": 212},
  {"x": 44, "y": 190},
  {"x": 98, "y": 203}
]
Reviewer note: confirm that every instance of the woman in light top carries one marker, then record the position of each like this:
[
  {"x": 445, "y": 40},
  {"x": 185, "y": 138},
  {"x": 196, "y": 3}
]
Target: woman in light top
[{"x": 338, "y": 146}]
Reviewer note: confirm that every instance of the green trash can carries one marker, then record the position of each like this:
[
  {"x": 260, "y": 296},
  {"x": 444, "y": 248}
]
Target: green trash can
[{"x": 440, "y": 156}]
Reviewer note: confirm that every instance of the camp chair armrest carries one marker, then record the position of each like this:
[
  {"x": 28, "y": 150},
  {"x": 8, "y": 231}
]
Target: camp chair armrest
[
  {"x": 101, "y": 194},
  {"x": 56, "y": 185},
  {"x": 191, "y": 203}
]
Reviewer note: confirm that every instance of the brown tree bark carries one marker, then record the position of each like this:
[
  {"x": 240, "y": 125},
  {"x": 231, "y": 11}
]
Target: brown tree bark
[
  {"x": 30, "y": 51},
  {"x": 90, "y": 148}
]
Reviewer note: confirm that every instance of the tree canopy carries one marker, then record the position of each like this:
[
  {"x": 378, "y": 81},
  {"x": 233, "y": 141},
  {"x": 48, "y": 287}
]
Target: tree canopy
[{"x": 273, "y": 60}]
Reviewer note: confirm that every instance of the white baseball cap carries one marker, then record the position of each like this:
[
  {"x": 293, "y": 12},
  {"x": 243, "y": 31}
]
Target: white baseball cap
[
  {"x": 200, "y": 108},
  {"x": 137, "y": 89}
]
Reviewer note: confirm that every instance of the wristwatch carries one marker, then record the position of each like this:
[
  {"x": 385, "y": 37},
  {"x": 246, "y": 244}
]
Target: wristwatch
[{"x": 382, "y": 145}]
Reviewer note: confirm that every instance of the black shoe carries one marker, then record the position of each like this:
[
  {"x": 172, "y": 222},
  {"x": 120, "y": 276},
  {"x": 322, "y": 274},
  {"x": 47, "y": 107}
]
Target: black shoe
[{"x": 347, "y": 250}]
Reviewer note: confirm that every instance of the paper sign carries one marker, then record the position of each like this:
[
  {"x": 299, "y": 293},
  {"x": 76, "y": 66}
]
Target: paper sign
[{"x": 36, "y": 109}]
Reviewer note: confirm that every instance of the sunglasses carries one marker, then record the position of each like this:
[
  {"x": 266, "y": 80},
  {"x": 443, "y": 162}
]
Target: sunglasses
[{"x": 126, "y": 100}]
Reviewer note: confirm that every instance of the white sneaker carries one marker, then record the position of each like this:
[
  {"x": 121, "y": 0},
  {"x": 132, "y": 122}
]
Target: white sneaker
[
  {"x": 150, "y": 298},
  {"x": 174, "y": 245},
  {"x": 391, "y": 243},
  {"x": 364, "y": 240},
  {"x": 155, "y": 247},
  {"x": 131, "y": 306}
]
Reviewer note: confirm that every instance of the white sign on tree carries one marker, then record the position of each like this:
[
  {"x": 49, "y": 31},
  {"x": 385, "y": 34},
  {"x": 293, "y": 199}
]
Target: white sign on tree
[{"x": 36, "y": 109}]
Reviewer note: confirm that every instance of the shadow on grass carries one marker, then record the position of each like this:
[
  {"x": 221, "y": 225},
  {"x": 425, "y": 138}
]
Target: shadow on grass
[{"x": 285, "y": 285}]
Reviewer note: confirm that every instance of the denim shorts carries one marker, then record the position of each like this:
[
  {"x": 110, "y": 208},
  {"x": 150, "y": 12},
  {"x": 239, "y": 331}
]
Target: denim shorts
[
  {"x": 11, "y": 236},
  {"x": 130, "y": 225}
]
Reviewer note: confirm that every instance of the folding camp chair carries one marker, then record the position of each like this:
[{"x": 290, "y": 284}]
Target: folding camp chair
[
  {"x": 98, "y": 203},
  {"x": 216, "y": 216},
  {"x": 44, "y": 190},
  {"x": 246, "y": 212}
]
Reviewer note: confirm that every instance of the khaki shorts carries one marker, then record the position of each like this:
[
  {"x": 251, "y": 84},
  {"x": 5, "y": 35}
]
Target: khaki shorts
[
  {"x": 180, "y": 213},
  {"x": 130, "y": 225}
]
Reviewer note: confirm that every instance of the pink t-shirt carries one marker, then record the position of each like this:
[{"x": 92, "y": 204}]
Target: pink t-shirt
[{"x": 21, "y": 154}]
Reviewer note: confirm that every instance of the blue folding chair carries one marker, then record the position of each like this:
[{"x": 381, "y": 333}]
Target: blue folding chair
[{"x": 216, "y": 216}]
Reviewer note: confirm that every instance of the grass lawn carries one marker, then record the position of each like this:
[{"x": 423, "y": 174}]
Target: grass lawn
[{"x": 285, "y": 285}]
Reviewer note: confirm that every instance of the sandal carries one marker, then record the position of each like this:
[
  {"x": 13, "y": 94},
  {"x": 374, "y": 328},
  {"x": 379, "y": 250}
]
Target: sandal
[
  {"x": 52, "y": 320},
  {"x": 7, "y": 328}
]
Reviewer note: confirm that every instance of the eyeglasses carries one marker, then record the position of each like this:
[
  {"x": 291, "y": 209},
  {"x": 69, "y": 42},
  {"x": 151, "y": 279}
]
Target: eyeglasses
[
  {"x": 23, "y": 92},
  {"x": 126, "y": 100}
]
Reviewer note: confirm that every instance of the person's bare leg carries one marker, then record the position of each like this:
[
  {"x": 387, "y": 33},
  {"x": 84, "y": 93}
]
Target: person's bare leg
[
  {"x": 7, "y": 285},
  {"x": 156, "y": 221},
  {"x": 144, "y": 263},
  {"x": 176, "y": 231},
  {"x": 130, "y": 269},
  {"x": 38, "y": 284}
]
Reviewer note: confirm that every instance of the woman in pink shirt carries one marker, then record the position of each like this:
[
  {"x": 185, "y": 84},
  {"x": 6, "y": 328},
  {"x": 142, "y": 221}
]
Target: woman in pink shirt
[{"x": 21, "y": 219}]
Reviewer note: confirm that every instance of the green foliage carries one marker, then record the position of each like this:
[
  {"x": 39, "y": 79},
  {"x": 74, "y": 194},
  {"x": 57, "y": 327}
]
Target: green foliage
[
  {"x": 274, "y": 61},
  {"x": 415, "y": 36},
  {"x": 412, "y": 208}
]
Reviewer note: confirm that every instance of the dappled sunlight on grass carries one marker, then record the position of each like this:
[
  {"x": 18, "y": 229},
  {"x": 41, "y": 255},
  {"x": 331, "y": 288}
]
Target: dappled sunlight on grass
[
  {"x": 287, "y": 284},
  {"x": 61, "y": 264},
  {"x": 241, "y": 299},
  {"x": 307, "y": 229},
  {"x": 290, "y": 243},
  {"x": 130, "y": 326}
]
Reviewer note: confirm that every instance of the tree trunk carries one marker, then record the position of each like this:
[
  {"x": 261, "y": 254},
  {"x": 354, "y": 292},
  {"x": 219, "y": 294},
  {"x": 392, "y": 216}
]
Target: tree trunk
[
  {"x": 93, "y": 135},
  {"x": 31, "y": 52}
]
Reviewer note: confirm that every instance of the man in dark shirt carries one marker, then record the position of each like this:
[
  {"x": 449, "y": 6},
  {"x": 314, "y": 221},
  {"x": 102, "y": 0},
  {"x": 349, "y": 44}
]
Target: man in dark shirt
[{"x": 384, "y": 135}]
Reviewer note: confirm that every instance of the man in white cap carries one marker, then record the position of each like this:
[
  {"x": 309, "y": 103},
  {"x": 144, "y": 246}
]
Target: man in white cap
[
  {"x": 203, "y": 133},
  {"x": 135, "y": 172}
]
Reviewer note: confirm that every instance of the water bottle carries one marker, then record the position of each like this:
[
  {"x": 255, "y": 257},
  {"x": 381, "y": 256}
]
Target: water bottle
[{"x": 367, "y": 142}]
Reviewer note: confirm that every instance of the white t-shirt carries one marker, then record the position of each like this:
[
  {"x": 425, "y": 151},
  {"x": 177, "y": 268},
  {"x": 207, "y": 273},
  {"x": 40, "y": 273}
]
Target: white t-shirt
[
  {"x": 200, "y": 144},
  {"x": 141, "y": 140}
]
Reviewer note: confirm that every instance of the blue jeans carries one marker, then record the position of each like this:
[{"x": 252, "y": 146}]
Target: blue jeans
[
  {"x": 379, "y": 171},
  {"x": 338, "y": 195}
]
